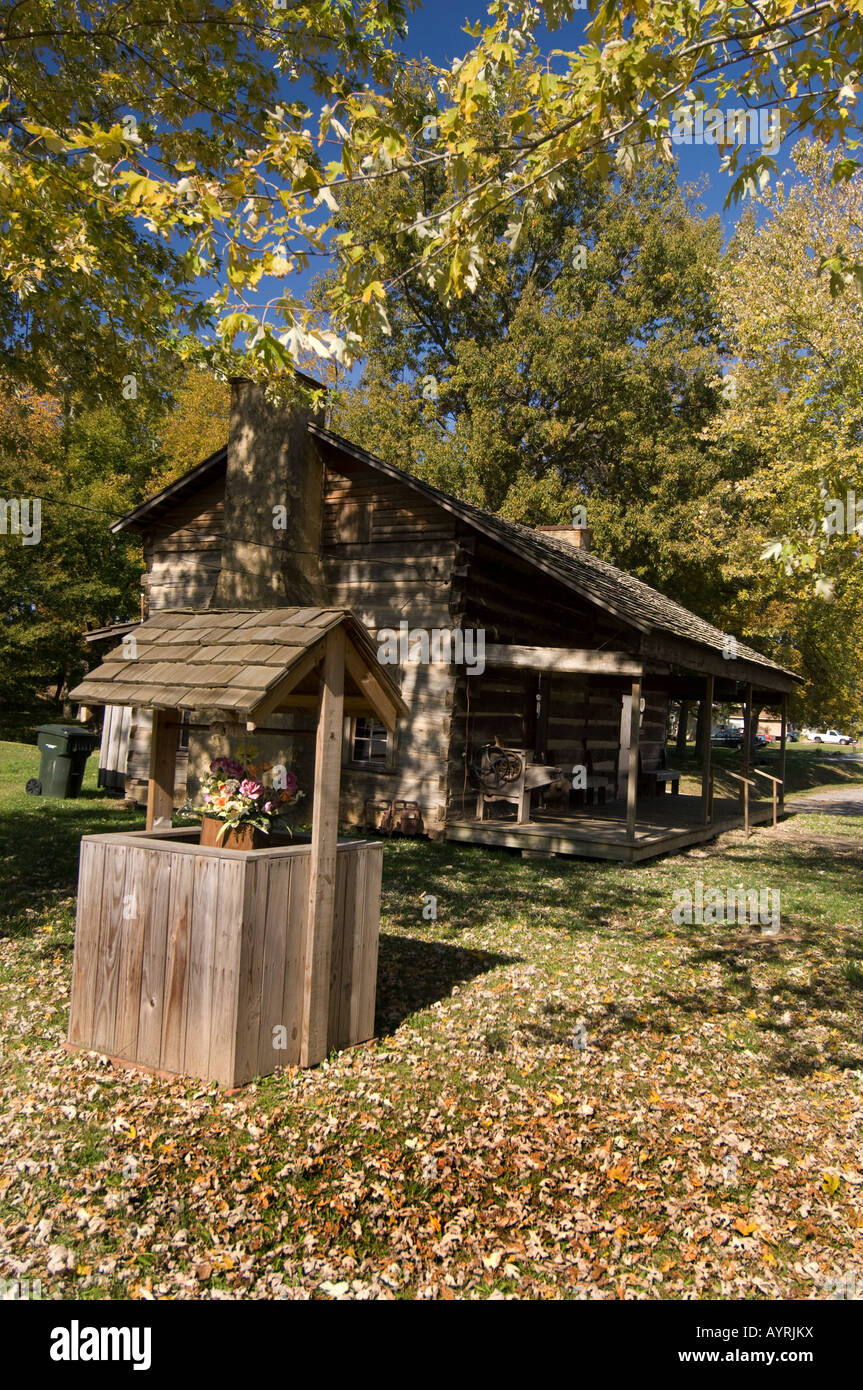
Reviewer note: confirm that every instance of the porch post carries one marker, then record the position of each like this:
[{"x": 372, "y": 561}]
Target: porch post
[
  {"x": 747, "y": 729},
  {"x": 325, "y": 830},
  {"x": 164, "y": 737},
  {"x": 707, "y": 725},
  {"x": 783, "y": 735},
  {"x": 632, "y": 782}
]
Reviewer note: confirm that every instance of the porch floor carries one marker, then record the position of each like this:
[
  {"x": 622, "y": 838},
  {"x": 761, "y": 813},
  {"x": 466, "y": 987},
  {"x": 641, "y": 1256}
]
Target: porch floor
[{"x": 664, "y": 825}]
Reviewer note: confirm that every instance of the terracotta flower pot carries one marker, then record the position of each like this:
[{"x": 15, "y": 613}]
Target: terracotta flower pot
[{"x": 236, "y": 837}]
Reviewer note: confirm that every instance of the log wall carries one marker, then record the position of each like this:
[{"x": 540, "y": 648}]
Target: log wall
[
  {"x": 138, "y": 761},
  {"x": 389, "y": 555},
  {"x": 392, "y": 556},
  {"x": 183, "y": 551},
  {"x": 578, "y": 718}
]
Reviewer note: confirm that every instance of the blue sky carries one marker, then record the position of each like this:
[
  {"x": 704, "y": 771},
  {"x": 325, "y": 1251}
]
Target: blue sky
[{"x": 436, "y": 32}]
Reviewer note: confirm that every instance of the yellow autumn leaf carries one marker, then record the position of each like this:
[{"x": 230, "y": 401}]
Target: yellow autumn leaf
[
  {"x": 622, "y": 1171},
  {"x": 745, "y": 1227}
]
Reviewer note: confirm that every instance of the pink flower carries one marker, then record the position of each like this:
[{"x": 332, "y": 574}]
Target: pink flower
[
  {"x": 228, "y": 766},
  {"x": 251, "y": 789}
]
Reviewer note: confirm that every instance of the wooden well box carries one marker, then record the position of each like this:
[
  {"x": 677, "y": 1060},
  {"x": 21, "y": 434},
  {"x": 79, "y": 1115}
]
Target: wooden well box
[{"x": 189, "y": 960}]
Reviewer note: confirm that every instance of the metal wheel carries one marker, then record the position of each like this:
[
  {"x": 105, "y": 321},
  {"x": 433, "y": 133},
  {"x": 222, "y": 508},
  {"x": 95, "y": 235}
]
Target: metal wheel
[{"x": 499, "y": 767}]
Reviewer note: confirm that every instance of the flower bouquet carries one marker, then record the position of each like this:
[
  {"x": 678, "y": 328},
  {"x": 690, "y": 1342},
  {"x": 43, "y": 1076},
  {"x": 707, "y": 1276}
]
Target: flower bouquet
[{"x": 236, "y": 796}]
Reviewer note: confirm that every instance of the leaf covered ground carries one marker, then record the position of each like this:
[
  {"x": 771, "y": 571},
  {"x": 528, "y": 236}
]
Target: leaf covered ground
[{"x": 568, "y": 1096}]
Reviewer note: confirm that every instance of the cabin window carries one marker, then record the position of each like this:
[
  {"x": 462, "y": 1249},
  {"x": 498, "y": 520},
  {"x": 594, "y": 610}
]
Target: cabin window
[
  {"x": 183, "y": 740},
  {"x": 369, "y": 742}
]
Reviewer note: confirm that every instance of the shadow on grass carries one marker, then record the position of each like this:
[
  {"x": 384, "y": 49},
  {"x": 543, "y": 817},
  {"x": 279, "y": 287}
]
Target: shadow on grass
[
  {"x": 39, "y": 852},
  {"x": 804, "y": 767},
  {"x": 414, "y": 974},
  {"x": 475, "y": 885},
  {"x": 807, "y": 1023}
]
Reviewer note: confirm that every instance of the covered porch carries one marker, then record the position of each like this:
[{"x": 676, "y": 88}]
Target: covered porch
[
  {"x": 663, "y": 826},
  {"x": 599, "y": 710}
]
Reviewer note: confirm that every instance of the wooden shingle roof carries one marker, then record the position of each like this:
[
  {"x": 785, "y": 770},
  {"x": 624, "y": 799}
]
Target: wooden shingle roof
[
  {"x": 620, "y": 593},
  {"x": 232, "y": 660}
]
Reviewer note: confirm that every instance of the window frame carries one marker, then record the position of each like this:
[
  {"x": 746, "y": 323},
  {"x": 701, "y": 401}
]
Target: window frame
[{"x": 354, "y": 764}]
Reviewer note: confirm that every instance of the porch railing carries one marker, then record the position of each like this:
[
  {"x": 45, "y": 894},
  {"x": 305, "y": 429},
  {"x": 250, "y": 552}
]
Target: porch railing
[{"x": 747, "y": 783}]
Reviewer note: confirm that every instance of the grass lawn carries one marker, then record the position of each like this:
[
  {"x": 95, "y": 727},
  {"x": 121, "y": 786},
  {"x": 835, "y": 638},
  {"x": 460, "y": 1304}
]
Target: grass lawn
[
  {"x": 568, "y": 1094},
  {"x": 809, "y": 767}
]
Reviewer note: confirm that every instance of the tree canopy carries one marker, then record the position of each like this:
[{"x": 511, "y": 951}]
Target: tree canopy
[
  {"x": 701, "y": 406},
  {"x": 165, "y": 168},
  {"x": 791, "y": 428},
  {"x": 581, "y": 372},
  {"x": 547, "y": 318}
]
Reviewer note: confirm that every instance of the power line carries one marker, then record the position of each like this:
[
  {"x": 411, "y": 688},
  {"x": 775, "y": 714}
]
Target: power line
[{"x": 64, "y": 502}]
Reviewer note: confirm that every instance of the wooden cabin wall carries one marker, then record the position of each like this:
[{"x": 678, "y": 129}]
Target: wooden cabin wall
[
  {"x": 391, "y": 556},
  {"x": 388, "y": 555},
  {"x": 654, "y": 722},
  {"x": 183, "y": 551},
  {"x": 138, "y": 761},
  {"x": 583, "y": 721},
  {"x": 517, "y": 606}
]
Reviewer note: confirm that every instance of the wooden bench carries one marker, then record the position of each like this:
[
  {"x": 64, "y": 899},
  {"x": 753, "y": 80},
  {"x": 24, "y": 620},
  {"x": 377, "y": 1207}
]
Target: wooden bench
[
  {"x": 600, "y": 778},
  {"x": 653, "y": 774}
]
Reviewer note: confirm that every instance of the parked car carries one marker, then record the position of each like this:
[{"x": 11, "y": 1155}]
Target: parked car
[
  {"x": 831, "y": 736},
  {"x": 731, "y": 737},
  {"x": 792, "y": 735},
  {"x": 727, "y": 736}
]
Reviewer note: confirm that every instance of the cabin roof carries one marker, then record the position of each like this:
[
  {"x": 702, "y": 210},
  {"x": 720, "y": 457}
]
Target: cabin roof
[
  {"x": 619, "y": 593},
  {"x": 204, "y": 473},
  {"x": 237, "y": 660}
]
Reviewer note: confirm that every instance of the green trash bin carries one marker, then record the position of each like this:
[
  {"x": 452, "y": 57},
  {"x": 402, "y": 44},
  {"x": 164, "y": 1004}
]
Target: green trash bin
[{"x": 65, "y": 749}]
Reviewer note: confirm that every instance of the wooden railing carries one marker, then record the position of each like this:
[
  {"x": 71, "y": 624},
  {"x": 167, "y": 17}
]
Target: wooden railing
[
  {"x": 777, "y": 783},
  {"x": 747, "y": 783}
]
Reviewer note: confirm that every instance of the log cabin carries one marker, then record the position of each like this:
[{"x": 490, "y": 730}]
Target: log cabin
[{"x": 551, "y": 739}]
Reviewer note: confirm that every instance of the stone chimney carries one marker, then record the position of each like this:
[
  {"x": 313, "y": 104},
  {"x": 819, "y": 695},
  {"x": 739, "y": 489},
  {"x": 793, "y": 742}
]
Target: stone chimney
[
  {"x": 580, "y": 537},
  {"x": 273, "y": 505}
]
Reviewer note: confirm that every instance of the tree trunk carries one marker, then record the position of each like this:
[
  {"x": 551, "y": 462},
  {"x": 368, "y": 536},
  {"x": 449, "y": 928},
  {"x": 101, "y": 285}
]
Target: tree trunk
[
  {"x": 682, "y": 723},
  {"x": 700, "y": 726}
]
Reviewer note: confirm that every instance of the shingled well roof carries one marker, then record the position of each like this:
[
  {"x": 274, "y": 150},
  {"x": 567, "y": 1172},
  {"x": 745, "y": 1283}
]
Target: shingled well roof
[{"x": 221, "y": 659}]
